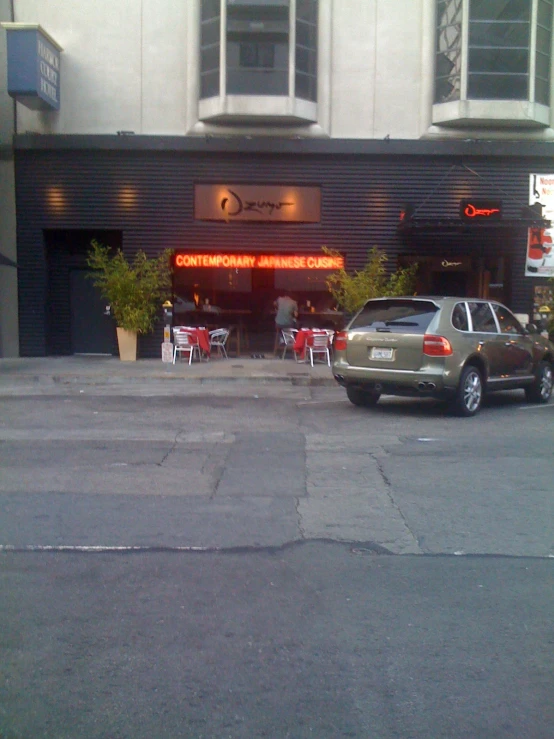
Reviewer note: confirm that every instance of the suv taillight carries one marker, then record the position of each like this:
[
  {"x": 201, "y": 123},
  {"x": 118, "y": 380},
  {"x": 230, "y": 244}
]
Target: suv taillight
[
  {"x": 340, "y": 340},
  {"x": 436, "y": 346}
]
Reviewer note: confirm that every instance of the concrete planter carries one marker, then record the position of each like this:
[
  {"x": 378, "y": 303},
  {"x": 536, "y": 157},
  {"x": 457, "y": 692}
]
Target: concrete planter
[{"x": 127, "y": 341}]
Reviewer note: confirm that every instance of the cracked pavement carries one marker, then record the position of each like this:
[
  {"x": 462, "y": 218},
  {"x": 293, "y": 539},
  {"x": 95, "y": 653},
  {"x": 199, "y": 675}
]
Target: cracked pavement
[{"x": 266, "y": 465}]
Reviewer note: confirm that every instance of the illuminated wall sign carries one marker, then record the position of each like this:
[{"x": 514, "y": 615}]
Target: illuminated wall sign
[
  {"x": 257, "y": 203},
  {"x": 450, "y": 264},
  {"x": 480, "y": 210},
  {"x": 260, "y": 261},
  {"x": 540, "y": 242},
  {"x": 33, "y": 66}
]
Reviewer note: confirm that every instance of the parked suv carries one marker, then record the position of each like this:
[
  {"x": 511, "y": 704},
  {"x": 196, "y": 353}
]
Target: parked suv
[{"x": 451, "y": 348}]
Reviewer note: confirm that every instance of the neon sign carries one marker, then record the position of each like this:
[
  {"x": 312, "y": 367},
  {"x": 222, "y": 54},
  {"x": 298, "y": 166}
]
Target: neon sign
[
  {"x": 259, "y": 261},
  {"x": 480, "y": 210}
]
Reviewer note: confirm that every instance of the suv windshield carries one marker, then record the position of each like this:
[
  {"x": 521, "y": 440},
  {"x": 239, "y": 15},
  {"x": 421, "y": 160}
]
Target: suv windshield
[{"x": 396, "y": 315}]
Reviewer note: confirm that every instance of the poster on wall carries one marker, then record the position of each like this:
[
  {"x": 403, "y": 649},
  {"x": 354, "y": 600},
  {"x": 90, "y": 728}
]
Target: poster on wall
[{"x": 540, "y": 241}]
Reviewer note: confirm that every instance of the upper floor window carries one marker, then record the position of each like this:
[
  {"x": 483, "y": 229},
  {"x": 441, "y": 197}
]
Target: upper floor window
[
  {"x": 306, "y": 49},
  {"x": 257, "y": 47},
  {"x": 498, "y": 49},
  {"x": 493, "y": 50},
  {"x": 210, "y": 32},
  {"x": 448, "y": 62},
  {"x": 265, "y": 47}
]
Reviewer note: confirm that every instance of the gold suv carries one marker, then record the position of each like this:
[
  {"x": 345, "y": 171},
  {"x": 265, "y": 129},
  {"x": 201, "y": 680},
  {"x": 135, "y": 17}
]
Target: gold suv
[{"x": 449, "y": 348}]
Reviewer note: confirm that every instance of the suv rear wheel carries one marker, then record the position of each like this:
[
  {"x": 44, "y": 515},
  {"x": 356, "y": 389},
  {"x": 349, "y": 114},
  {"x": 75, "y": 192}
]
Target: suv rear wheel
[
  {"x": 363, "y": 398},
  {"x": 469, "y": 394},
  {"x": 541, "y": 389}
]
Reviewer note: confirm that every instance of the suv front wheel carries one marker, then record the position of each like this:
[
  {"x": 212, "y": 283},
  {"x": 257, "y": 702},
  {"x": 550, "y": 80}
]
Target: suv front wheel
[
  {"x": 363, "y": 398},
  {"x": 469, "y": 394}
]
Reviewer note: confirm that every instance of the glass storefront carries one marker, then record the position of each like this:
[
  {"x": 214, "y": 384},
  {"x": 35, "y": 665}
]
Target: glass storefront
[{"x": 220, "y": 296}]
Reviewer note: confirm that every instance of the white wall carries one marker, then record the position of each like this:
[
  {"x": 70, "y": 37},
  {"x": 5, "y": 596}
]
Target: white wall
[
  {"x": 9, "y": 331},
  {"x": 132, "y": 65}
]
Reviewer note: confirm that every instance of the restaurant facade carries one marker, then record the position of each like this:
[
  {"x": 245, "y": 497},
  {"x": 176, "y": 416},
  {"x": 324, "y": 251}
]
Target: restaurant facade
[
  {"x": 248, "y": 219},
  {"x": 256, "y": 139}
]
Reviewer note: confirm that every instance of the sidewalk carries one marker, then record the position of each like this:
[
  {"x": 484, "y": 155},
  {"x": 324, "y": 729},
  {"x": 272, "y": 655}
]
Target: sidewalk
[{"x": 94, "y": 370}]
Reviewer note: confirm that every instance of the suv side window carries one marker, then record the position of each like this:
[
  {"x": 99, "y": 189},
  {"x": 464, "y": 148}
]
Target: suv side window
[
  {"x": 459, "y": 317},
  {"x": 507, "y": 321},
  {"x": 482, "y": 318}
]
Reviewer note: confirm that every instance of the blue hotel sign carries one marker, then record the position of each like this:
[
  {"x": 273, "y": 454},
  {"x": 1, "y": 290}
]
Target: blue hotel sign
[{"x": 33, "y": 66}]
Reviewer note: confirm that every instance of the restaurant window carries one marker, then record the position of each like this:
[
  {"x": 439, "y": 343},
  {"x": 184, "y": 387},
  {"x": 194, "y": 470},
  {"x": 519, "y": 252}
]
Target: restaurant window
[
  {"x": 493, "y": 50},
  {"x": 256, "y": 55},
  {"x": 302, "y": 280}
]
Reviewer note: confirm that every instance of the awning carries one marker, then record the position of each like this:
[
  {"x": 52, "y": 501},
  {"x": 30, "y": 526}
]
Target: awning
[
  {"x": 456, "y": 225},
  {"x": 483, "y": 207}
]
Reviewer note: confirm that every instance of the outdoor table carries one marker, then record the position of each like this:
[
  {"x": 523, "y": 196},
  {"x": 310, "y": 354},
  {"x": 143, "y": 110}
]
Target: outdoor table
[
  {"x": 304, "y": 338},
  {"x": 200, "y": 333}
]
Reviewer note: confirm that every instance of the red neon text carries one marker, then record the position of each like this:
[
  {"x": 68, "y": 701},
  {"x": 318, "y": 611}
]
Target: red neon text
[
  {"x": 472, "y": 212},
  {"x": 262, "y": 261}
]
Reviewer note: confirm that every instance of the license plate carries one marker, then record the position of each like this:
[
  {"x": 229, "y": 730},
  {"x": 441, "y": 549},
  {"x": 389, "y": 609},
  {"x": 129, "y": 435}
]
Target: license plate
[{"x": 378, "y": 352}]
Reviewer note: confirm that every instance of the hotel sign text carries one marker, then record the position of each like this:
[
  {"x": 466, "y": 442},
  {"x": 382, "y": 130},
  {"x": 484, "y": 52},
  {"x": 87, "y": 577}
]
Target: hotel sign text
[
  {"x": 279, "y": 203},
  {"x": 33, "y": 66}
]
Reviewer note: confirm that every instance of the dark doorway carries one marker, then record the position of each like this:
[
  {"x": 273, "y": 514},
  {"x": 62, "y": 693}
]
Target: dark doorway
[
  {"x": 76, "y": 323},
  {"x": 450, "y": 284},
  {"x": 91, "y": 328}
]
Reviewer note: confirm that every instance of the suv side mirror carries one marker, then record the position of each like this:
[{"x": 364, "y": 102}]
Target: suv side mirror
[{"x": 532, "y": 328}]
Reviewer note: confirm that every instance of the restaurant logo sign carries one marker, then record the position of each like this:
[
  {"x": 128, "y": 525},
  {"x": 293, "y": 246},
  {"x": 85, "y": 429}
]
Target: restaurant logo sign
[
  {"x": 450, "y": 264},
  {"x": 257, "y": 203},
  {"x": 33, "y": 66},
  {"x": 480, "y": 210},
  {"x": 259, "y": 261}
]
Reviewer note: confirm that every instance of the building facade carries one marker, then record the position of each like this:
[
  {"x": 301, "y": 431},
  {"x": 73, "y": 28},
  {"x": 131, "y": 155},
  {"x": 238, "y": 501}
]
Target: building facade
[{"x": 249, "y": 128}]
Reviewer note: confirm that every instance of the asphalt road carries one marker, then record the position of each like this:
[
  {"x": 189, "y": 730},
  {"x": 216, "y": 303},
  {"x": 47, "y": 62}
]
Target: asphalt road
[
  {"x": 240, "y": 465},
  {"x": 269, "y": 561}
]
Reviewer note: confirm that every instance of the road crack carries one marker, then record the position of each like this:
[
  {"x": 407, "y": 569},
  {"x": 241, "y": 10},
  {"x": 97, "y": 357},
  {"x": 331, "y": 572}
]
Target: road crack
[{"x": 388, "y": 490}]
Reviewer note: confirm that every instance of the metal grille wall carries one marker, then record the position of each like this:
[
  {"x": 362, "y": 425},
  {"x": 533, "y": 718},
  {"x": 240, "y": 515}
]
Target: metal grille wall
[{"x": 148, "y": 196}]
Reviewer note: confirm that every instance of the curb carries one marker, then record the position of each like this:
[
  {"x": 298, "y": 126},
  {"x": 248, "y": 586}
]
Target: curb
[{"x": 44, "y": 380}]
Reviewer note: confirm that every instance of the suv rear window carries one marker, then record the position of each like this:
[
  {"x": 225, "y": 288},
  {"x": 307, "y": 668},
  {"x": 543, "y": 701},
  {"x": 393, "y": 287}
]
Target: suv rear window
[{"x": 396, "y": 315}]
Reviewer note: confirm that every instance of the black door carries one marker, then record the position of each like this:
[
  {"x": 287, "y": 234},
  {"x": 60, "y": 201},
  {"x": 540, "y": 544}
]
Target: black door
[
  {"x": 92, "y": 331},
  {"x": 450, "y": 284}
]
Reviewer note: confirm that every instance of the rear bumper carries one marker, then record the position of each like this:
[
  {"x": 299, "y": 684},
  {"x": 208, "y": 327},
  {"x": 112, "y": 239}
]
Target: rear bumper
[{"x": 427, "y": 381}]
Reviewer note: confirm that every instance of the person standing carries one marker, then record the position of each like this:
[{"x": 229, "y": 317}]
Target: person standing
[{"x": 286, "y": 312}]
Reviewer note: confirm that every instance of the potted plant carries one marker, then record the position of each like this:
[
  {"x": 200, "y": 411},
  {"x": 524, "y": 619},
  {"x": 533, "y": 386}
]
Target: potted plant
[
  {"x": 135, "y": 289},
  {"x": 350, "y": 291}
]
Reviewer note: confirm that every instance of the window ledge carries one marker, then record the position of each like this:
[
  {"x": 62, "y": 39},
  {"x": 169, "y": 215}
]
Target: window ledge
[
  {"x": 257, "y": 108},
  {"x": 495, "y": 113}
]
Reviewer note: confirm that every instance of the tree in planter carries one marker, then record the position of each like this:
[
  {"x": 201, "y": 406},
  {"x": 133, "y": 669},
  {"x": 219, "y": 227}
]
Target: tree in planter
[
  {"x": 350, "y": 291},
  {"x": 134, "y": 289}
]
